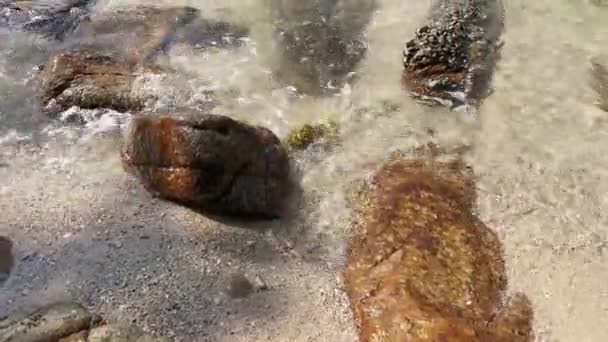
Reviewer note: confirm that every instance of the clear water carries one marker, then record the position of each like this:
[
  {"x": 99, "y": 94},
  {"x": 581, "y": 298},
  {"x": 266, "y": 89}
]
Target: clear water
[{"x": 539, "y": 144}]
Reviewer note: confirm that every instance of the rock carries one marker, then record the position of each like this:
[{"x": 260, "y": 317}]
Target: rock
[
  {"x": 50, "y": 18},
  {"x": 81, "y": 336},
  {"x": 209, "y": 162},
  {"x": 145, "y": 31},
  {"x": 6, "y": 259},
  {"x": 599, "y": 83},
  {"x": 451, "y": 60},
  {"x": 90, "y": 79},
  {"x": 422, "y": 267},
  {"x": 302, "y": 137},
  {"x": 49, "y": 323},
  {"x": 320, "y": 42},
  {"x": 239, "y": 286},
  {"x": 114, "y": 333}
]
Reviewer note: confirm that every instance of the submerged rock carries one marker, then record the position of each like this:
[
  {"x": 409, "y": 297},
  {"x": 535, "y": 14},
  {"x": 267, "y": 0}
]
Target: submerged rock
[
  {"x": 599, "y": 83},
  {"x": 451, "y": 60},
  {"x": 67, "y": 322},
  {"x": 422, "y": 267},
  {"x": 6, "y": 258},
  {"x": 320, "y": 42},
  {"x": 90, "y": 79},
  {"x": 50, "y": 18},
  {"x": 209, "y": 162},
  {"x": 145, "y": 31},
  {"x": 49, "y": 323}
]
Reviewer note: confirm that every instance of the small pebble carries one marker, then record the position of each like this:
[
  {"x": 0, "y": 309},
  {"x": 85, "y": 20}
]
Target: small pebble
[{"x": 239, "y": 286}]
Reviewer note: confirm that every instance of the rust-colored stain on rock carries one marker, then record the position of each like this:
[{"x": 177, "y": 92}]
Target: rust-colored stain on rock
[{"x": 422, "y": 267}]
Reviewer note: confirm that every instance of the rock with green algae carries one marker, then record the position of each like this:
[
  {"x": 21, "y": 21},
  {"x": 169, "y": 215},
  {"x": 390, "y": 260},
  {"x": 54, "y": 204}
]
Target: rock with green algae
[
  {"x": 302, "y": 137},
  {"x": 422, "y": 267}
]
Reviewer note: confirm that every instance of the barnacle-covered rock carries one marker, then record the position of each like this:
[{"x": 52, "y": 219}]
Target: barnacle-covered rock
[
  {"x": 422, "y": 267},
  {"x": 451, "y": 59},
  {"x": 209, "y": 162}
]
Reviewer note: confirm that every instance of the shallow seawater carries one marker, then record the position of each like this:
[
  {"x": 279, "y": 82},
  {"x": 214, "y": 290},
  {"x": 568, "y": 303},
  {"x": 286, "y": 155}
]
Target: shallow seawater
[{"x": 539, "y": 144}]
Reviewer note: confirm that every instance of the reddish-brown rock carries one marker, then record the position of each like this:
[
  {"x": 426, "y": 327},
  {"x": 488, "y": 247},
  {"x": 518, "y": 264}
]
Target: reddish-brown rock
[
  {"x": 209, "y": 162},
  {"x": 422, "y": 267}
]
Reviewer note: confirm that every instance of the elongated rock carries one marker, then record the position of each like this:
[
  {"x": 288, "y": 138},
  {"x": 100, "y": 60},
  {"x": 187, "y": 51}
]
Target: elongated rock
[
  {"x": 451, "y": 59},
  {"x": 599, "y": 82},
  {"x": 422, "y": 267},
  {"x": 49, "y": 323},
  {"x": 6, "y": 258},
  {"x": 209, "y": 162}
]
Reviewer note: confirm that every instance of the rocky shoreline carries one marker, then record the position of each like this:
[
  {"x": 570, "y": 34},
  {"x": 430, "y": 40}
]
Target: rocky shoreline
[{"x": 420, "y": 264}]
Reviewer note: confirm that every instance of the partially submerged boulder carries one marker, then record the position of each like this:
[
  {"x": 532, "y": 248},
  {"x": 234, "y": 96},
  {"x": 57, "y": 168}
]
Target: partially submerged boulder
[
  {"x": 451, "y": 60},
  {"x": 422, "y": 267},
  {"x": 90, "y": 79},
  {"x": 208, "y": 162},
  {"x": 320, "y": 42},
  {"x": 100, "y": 60}
]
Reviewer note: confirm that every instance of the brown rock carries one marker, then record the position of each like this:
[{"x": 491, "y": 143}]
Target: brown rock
[
  {"x": 50, "y": 323},
  {"x": 90, "y": 79},
  {"x": 209, "y": 162},
  {"x": 422, "y": 267}
]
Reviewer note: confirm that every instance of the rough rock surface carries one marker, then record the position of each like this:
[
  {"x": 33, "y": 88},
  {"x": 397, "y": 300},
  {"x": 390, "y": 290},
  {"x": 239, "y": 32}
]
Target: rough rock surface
[
  {"x": 450, "y": 61},
  {"x": 423, "y": 267},
  {"x": 66, "y": 322},
  {"x": 209, "y": 162},
  {"x": 320, "y": 44},
  {"x": 90, "y": 79}
]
